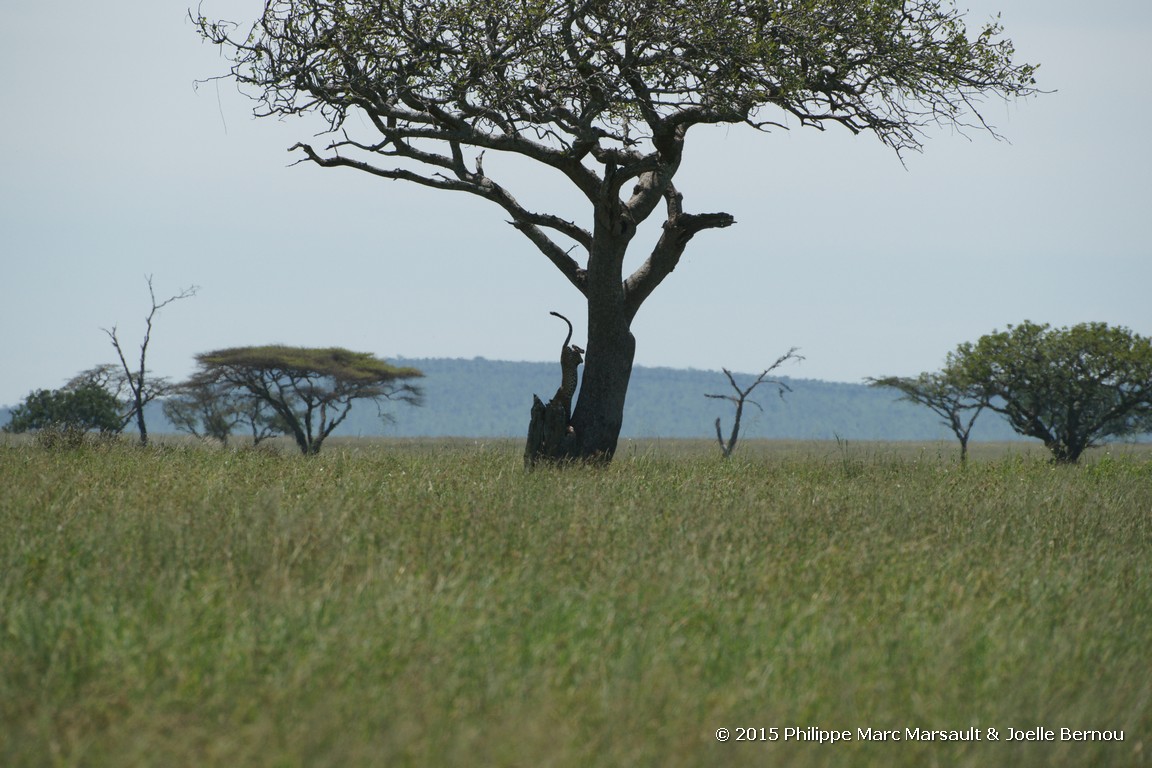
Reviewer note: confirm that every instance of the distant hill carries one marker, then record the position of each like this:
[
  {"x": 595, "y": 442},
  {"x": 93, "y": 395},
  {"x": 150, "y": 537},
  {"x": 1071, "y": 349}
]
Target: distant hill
[{"x": 492, "y": 398}]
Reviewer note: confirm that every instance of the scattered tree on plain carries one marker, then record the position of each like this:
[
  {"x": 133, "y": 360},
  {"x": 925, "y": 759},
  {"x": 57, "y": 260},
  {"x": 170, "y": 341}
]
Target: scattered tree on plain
[
  {"x": 310, "y": 391},
  {"x": 214, "y": 410},
  {"x": 1068, "y": 387},
  {"x": 604, "y": 94},
  {"x": 741, "y": 397},
  {"x": 957, "y": 403},
  {"x": 84, "y": 408},
  {"x": 141, "y": 387}
]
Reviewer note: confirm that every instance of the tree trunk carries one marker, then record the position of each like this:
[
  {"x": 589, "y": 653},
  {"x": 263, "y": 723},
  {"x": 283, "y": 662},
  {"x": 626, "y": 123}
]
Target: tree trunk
[
  {"x": 141, "y": 426},
  {"x": 598, "y": 411},
  {"x": 549, "y": 436},
  {"x": 1066, "y": 451}
]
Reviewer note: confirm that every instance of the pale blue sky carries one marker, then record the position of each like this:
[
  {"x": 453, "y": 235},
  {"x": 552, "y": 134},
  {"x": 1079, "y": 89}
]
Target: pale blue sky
[{"x": 118, "y": 166}]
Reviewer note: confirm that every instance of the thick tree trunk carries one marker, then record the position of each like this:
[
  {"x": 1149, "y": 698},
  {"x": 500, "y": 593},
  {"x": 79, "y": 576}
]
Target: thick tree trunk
[
  {"x": 140, "y": 425},
  {"x": 549, "y": 435},
  {"x": 599, "y": 413},
  {"x": 594, "y": 429}
]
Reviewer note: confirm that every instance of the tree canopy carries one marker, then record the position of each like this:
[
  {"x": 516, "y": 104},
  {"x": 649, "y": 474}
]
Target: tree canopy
[
  {"x": 604, "y": 93},
  {"x": 613, "y": 78},
  {"x": 83, "y": 408},
  {"x": 311, "y": 391},
  {"x": 1068, "y": 387}
]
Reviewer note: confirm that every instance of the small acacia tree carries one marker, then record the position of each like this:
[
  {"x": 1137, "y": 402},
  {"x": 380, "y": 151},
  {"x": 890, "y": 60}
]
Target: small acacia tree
[
  {"x": 957, "y": 403},
  {"x": 311, "y": 391},
  {"x": 741, "y": 397},
  {"x": 604, "y": 94},
  {"x": 1068, "y": 387}
]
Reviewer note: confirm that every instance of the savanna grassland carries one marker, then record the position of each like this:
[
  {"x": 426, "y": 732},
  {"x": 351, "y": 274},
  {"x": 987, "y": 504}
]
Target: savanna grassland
[{"x": 432, "y": 604}]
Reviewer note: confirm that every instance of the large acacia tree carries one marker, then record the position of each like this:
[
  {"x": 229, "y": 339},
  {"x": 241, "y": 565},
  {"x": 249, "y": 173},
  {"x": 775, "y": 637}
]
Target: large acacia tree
[{"x": 604, "y": 93}]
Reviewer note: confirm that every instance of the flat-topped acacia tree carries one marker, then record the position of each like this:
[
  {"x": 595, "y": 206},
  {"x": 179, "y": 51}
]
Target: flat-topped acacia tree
[
  {"x": 310, "y": 390},
  {"x": 604, "y": 93}
]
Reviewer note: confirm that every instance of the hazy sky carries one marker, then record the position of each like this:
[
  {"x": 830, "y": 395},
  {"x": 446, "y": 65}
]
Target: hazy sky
[{"x": 117, "y": 166}]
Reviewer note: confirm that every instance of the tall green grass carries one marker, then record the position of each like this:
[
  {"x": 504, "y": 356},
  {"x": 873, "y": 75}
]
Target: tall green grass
[{"x": 431, "y": 604}]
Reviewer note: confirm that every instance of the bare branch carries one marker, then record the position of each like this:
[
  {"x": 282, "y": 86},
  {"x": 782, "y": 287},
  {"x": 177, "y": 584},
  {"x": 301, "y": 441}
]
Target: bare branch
[
  {"x": 679, "y": 228},
  {"x": 144, "y": 389},
  {"x": 475, "y": 183},
  {"x": 742, "y": 394}
]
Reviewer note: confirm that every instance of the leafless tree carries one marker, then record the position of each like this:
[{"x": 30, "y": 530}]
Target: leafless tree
[
  {"x": 141, "y": 388},
  {"x": 742, "y": 394}
]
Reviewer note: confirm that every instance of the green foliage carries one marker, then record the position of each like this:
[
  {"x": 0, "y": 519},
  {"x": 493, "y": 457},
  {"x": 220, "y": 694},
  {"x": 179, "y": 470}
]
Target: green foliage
[
  {"x": 339, "y": 365},
  {"x": 1069, "y": 387},
  {"x": 308, "y": 392},
  {"x": 577, "y": 72},
  {"x": 431, "y": 604},
  {"x": 80, "y": 409}
]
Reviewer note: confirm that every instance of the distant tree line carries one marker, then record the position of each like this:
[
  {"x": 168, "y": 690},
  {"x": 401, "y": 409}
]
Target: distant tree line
[
  {"x": 262, "y": 392},
  {"x": 1070, "y": 388}
]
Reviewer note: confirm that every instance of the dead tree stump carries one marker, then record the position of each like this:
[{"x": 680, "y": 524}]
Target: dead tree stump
[{"x": 549, "y": 437}]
